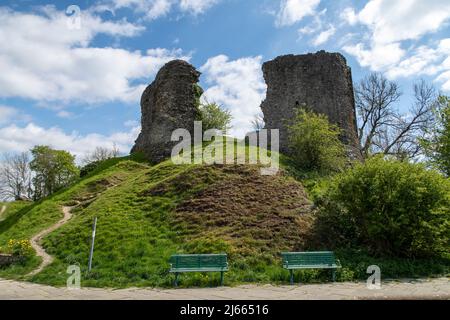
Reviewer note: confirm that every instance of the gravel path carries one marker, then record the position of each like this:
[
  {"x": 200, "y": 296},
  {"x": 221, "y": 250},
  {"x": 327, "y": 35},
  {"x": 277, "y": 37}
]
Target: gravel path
[
  {"x": 438, "y": 288},
  {"x": 35, "y": 241}
]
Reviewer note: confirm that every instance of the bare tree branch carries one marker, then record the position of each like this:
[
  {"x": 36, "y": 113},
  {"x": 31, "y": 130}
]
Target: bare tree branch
[
  {"x": 382, "y": 129},
  {"x": 15, "y": 177},
  {"x": 101, "y": 153}
]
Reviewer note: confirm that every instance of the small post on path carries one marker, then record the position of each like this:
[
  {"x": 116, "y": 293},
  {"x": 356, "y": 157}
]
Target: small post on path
[{"x": 92, "y": 244}]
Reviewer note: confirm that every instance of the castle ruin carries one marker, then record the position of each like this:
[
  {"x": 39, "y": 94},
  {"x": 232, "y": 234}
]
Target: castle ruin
[{"x": 320, "y": 81}]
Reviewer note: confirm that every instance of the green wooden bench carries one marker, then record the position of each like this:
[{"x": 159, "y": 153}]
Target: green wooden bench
[
  {"x": 180, "y": 263},
  {"x": 310, "y": 260}
]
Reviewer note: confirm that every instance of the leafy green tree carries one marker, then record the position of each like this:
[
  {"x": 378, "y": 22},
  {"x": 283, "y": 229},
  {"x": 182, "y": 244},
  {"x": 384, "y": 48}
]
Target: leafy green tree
[
  {"x": 388, "y": 207},
  {"x": 214, "y": 116},
  {"x": 437, "y": 144},
  {"x": 315, "y": 143},
  {"x": 53, "y": 170}
]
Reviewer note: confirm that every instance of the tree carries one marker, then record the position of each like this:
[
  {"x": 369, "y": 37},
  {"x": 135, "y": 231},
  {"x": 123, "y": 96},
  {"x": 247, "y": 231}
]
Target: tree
[
  {"x": 101, "y": 154},
  {"x": 214, "y": 116},
  {"x": 315, "y": 142},
  {"x": 437, "y": 140},
  {"x": 382, "y": 129},
  {"x": 53, "y": 169},
  {"x": 15, "y": 177}
]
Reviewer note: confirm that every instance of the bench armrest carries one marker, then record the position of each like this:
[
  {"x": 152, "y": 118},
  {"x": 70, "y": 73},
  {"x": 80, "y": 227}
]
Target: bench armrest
[{"x": 338, "y": 263}]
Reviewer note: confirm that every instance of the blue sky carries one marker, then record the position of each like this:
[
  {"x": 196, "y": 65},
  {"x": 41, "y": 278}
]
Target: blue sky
[{"x": 77, "y": 86}]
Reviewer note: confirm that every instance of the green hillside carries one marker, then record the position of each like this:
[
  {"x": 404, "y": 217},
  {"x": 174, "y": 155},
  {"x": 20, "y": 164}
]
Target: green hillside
[{"x": 147, "y": 213}]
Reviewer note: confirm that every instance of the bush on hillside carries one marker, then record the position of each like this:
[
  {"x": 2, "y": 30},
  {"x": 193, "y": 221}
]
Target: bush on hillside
[
  {"x": 88, "y": 168},
  {"x": 389, "y": 207},
  {"x": 315, "y": 143}
]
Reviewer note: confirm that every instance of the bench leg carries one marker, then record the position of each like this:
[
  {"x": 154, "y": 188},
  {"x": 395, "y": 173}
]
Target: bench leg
[
  {"x": 334, "y": 275},
  {"x": 176, "y": 279},
  {"x": 221, "y": 278},
  {"x": 292, "y": 276}
]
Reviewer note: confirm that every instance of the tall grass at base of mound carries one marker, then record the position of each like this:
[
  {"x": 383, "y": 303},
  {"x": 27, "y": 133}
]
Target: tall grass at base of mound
[{"x": 17, "y": 270}]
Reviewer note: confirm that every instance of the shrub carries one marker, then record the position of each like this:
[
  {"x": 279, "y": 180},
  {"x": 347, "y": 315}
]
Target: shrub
[
  {"x": 88, "y": 168},
  {"x": 315, "y": 143},
  {"x": 20, "y": 248},
  {"x": 388, "y": 206}
]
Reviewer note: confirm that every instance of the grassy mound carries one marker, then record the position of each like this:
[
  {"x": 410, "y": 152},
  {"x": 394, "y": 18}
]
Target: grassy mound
[
  {"x": 8, "y": 209},
  {"x": 147, "y": 213}
]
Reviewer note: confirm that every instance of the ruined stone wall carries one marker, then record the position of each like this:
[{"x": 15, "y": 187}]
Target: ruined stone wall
[
  {"x": 321, "y": 81},
  {"x": 168, "y": 103}
]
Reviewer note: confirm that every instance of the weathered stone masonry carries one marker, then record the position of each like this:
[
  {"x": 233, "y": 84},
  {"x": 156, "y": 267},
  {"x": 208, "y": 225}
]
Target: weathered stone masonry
[
  {"x": 321, "y": 81},
  {"x": 168, "y": 103}
]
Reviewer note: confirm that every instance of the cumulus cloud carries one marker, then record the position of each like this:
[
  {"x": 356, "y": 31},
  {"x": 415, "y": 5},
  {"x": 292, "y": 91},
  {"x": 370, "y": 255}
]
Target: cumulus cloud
[
  {"x": 153, "y": 9},
  {"x": 349, "y": 16},
  {"x": 392, "y": 21},
  {"x": 376, "y": 57},
  {"x": 390, "y": 24},
  {"x": 197, "y": 6},
  {"x": 293, "y": 11},
  {"x": 238, "y": 85},
  {"x": 15, "y": 138},
  {"x": 46, "y": 61},
  {"x": 324, "y": 36},
  {"x": 10, "y": 114}
]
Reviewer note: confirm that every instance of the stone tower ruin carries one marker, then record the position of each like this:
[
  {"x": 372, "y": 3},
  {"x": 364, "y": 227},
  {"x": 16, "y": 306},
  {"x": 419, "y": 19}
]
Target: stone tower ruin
[
  {"x": 168, "y": 103},
  {"x": 320, "y": 81}
]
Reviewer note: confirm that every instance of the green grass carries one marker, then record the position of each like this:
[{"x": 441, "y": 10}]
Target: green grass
[
  {"x": 12, "y": 208},
  {"x": 147, "y": 213}
]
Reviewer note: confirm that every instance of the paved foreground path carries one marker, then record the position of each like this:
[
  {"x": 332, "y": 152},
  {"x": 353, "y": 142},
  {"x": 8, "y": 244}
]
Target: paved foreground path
[{"x": 438, "y": 288}]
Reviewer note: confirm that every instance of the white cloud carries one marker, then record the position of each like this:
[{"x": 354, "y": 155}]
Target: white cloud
[
  {"x": 392, "y": 21},
  {"x": 315, "y": 26},
  {"x": 238, "y": 85},
  {"x": 349, "y": 16},
  {"x": 293, "y": 11},
  {"x": 152, "y": 9},
  {"x": 65, "y": 114},
  {"x": 197, "y": 6},
  {"x": 46, "y": 61},
  {"x": 131, "y": 123},
  {"x": 14, "y": 138},
  {"x": 390, "y": 24},
  {"x": 10, "y": 114},
  {"x": 324, "y": 36},
  {"x": 377, "y": 57}
]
